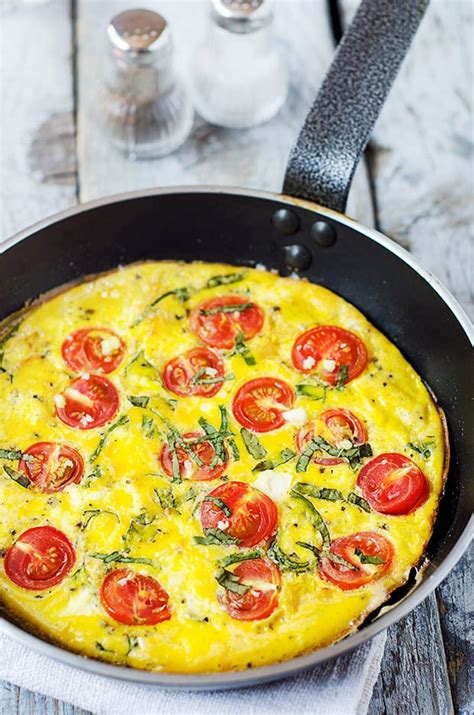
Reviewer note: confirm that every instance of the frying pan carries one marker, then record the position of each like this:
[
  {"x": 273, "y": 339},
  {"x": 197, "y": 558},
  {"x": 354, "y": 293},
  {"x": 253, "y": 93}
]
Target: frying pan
[{"x": 304, "y": 231}]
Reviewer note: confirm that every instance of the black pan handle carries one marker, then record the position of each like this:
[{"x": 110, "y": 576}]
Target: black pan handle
[{"x": 322, "y": 162}]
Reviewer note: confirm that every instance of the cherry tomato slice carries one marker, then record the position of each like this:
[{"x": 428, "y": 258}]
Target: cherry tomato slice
[
  {"x": 40, "y": 558},
  {"x": 393, "y": 484},
  {"x": 88, "y": 402},
  {"x": 259, "y": 404},
  {"x": 324, "y": 349},
  {"x": 187, "y": 467},
  {"x": 261, "y": 599},
  {"x": 93, "y": 350},
  {"x": 335, "y": 426},
  {"x": 253, "y": 516},
  {"x": 186, "y": 374},
  {"x": 369, "y": 544},
  {"x": 52, "y": 467},
  {"x": 220, "y": 328},
  {"x": 134, "y": 598}
]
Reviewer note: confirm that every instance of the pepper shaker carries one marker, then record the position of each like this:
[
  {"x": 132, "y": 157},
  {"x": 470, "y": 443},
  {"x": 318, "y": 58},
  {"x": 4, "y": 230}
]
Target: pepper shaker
[
  {"x": 148, "y": 112},
  {"x": 239, "y": 77}
]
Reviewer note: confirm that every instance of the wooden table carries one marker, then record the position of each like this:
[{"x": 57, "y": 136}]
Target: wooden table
[{"x": 415, "y": 185}]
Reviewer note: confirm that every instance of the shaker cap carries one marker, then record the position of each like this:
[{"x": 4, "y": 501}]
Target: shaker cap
[
  {"x": 242, "y": 15},
  {"x": 138, "y": 31}
]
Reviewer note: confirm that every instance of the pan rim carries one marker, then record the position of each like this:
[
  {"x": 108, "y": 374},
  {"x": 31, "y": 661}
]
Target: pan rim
[{"x": 234, "y": 679}]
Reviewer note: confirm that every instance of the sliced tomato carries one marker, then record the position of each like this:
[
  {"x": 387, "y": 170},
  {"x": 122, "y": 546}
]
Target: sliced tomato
[
  {"x": 325, "y": 349},
  {"x": 259, "y": 404},
  {"x": 220, "y": 328},
  {"x": 357, "y": 573},
  {"x": 134, "y": 598},
  {"x": 40, "y": 558},
  {"x": 185, "y": 375},
  {"x": 261, "y": 599},
  {"x": 393, "y": 484},
  {"x": 88, "y": 402},
  {"x": 336, "y": 426},
  {"x": 93, "y": 350},
  {"x": 253, "y": 515},
  {"x": 187, "y": 467},
  {"x": 51, "y": 466}
]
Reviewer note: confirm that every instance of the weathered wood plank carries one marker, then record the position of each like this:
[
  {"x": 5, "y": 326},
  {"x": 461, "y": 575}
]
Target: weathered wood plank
[
  {"x": 18, "y": 701},
  {"x": 37, "y": 164}
]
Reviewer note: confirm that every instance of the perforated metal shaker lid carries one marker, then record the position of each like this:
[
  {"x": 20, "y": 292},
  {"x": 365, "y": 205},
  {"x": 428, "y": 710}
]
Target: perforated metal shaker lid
[
  {"x": 242, "y": 15},
  {"x": 138, "y": 32}
]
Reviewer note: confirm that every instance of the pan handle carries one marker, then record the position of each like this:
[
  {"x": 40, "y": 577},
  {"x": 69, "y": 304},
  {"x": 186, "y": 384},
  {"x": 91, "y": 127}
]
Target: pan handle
[{"x": 334, "y": 135}]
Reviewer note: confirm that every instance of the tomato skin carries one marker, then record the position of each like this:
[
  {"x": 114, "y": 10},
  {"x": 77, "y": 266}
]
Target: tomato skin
[
  {"x": 134, "y": 598},
  {"x": 393, "y": 484},
  {"x": 329, "y": 343},
  {"x": 254, "y": 605},
  {"x": 40, "y": 558},
  {"x": 82, "y": 350},
  {"x": 102, "y": 402},
  {"x": 341, "y": 424},
  {"x": 259, "y": 404},
  {"x": 179, "y": 372},
  {"x": 220, "y": 330},
  {"x": 204, "y": 450},
  {"x": 48, "y": 470},
  {"x": 370, "y": 543},
  {"x": 253, "y": 516}
]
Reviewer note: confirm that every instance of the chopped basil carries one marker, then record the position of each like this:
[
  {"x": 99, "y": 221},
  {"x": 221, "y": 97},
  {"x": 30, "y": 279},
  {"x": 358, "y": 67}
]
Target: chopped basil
[
  {"x": 353, "y": 454},
  {"x": 132, "y": 642},
  {"x": 358, "y": 501},
  {"x": 190, "y": 494},
  {"x": 224, "y": 279},
  {"x": 140, "y": 401},
  {"x": 339, "y": 560},
  {"x": 122, "y": 558},
  {"x": 285, "y": 456},
  {"x": 314, "y": 392},
  {"x": 342, "y": 377},
  {"x": 423, "y": 447},
  {"x": 284, "y": 561},
  {"x": 100, "y": 647},
  {"x": 253, "y": 444},
  {"x": 143, "y": 362},
  {"x": 319, "y": 492},
  {"x": 234, "y": 308},
  {"x": 314, "y": 549},
  {"x": 123, "y": 420},
  {"x": 219, "y": 503},
  {"x": 215, "y": 536},
  {"x": 138, "y": 523},
  {"x": 91, "y": 513},
  {"x": 96, "y": 472},
  {"x": 176, "y": 473},
  {"x": 15, "y": 454},
  {"x": 231, "y": 581},
  {"x": 241, "y": 348},
  {"x": 182, "y": 294},
  {"x": 367, "y": 558},
  {"x": 18, "y": 477},
  {"x": 148, "y": 427},
  {"x": 233, "y": 449},
  {"x": 166, "y": 498},
  {"x": 200, "y": 379},
  {"x": 236, "y": 558},
  {"x": 315, "y": 517}
]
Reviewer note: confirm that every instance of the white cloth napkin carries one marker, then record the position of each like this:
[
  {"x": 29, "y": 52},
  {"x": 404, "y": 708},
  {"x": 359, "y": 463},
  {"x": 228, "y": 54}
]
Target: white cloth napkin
[{"x": 341, "y": 687}]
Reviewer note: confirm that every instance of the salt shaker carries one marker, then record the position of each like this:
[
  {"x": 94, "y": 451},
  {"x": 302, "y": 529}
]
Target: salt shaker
[
  {"x": 148, "y": 111},
  {"x": 239, "y": 78}
]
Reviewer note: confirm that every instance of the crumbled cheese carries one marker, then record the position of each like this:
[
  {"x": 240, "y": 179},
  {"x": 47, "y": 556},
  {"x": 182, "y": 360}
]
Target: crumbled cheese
[
  {"x": 309, "y": 362},
  {"x": 85, "y": 375},
  {"x": 260, "y": 267},
  {"x": 211, "y": 371},
  {"x": 329, "y": 365},
  {"x": 109, "y": 345},
  {"x": 344, "y": 444},
  {"x": 297, "y": 417},
  {"x": 188, "y": 468},
  {"x": 273, "y": 483},
  {"x": 59, "y": 401},
  {"x": 222, "y": 524}
]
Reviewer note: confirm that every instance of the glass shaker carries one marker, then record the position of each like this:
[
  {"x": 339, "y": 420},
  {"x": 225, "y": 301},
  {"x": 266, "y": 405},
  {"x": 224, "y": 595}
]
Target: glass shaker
[
  {"x": 148, "y": 111},
  {"x": 239, "y": 78}
]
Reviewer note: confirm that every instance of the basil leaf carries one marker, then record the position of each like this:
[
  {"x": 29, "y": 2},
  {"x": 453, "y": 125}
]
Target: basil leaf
[
  {"x": 423, "y": 447},
  {"x": 91, "y": 513},
  {"x": 215, "y": 536},
  {"x": 253, "y": 444},
  {"x": 233, "y": 449},
  {"x": 339, "y": 560},
  {"x": 224, "y": 279},
  {"x": 318, "y": 492},
  {"x": 199, "y": 378},
  {"x": 314, "y": 516},
  {"x": 285, "y": 456},
  {"x": 367, "y": 558},
  {"x": 132, "y": 642},
  {"x": 218, "y": 502},
  {"x": 231, "y": 582},
  {"x": 175, "y": 469},
  {"x": 284, "y": 561},
  {"x": 236, "y": 558},
  {"x": 314, "y": 392},
  {"x": 342, "y": 377},
  {"x": 15, "y": 454},
  {"x": 241, "y": 348},
  {"x": 143, "y": 362},
  {"x": 235, "y": 308},
  {"x": 314, "y": 549},
  {"x": 353, "y": 454},
  {"x": 358, "y": 501},
  {"x": 166, "y": 498},
  {"x": 140, "y": 401},
  {"x": 182, "y": 294},
  {"x": 148, "y": 426},
  {"x": 123, "y": 420},
  {"x": 117, "y": 556},
  {"x": 306, "y": 455},
  {"x": 17, "y": 476}
]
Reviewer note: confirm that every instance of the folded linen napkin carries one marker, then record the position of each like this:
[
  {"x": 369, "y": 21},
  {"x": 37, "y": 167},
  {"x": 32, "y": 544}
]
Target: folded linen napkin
[{"x": 341, "y": 687}]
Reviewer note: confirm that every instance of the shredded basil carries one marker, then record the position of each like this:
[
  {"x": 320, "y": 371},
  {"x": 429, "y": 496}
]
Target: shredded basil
[
  {"x": 342, "y": 377},
  {"x": 91, "y": 513},
  {"x": 224, "y": 279},
  {"x": 15, "y": 454},
  {"x": 119, "y": 557},
  {"x": 315, "y": 517},
  {"x": 423, "y": 447},
  {"x": 132, "y": 642},
  {"x": 353, "y": 454},
  {"x": 18, "y": 477},
  {"x": 314, "y": 549},
  {"x": 234, "y": 308},
  {"x": 358, "y": 501},
  {"x": 199, "y": 378},
  {"x": 285, "y": 456},
  {"x": 148, "y": 426},
  {"x": 140, "y": 401},
  {"x": 142, "y": 361},
  {"x": 231, "y": 582},
  {"x": 253, "y": 444},
  {"x": 215, "y": 536},
  {"x": 319, "y": 492},
  {"x": 166, "y": 498},
  {"x": 219, "y": 503},
  {"x": 314, "y": 392},
  {"x": 367, "y": 558},
  {"x": 241, "y": 348},
  {"x": 244, "y": 556},
  {"x": 123, "y": 420},
  {"x": 284, "y": 561},
  {"x": 176, "y": 473},
  {"x": 182, "y": 294}
]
